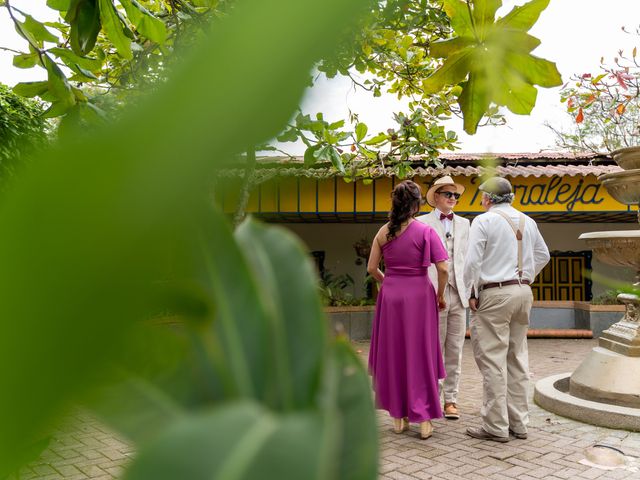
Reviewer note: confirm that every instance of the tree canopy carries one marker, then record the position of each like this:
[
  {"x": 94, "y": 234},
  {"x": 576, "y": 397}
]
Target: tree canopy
[
  {"x": 103, "y": 48},
  {"x": 604, "y": 105},
  {"x": 450, "y": 57},
  {"x": 446, "y": 57},
  {"x": 22, "y": 128}
]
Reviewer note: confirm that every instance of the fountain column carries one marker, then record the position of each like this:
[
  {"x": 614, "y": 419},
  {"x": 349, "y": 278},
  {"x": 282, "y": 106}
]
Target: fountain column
[
  {"x": 611, "y": 373},
  {"x": 605, "y": 388}
]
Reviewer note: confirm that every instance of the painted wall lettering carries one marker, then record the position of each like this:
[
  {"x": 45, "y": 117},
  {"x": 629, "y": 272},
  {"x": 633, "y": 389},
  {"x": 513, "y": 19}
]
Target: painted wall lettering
[{"x": 554, "y": 192}]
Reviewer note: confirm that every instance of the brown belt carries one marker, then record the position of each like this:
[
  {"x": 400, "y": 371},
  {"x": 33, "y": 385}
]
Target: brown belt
[{"x": 502, "y": 284}]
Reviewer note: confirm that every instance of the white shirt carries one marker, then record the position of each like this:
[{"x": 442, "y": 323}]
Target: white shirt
[
  {"x": 493, "y": 249},
  {"x": 446, "y": 223}
]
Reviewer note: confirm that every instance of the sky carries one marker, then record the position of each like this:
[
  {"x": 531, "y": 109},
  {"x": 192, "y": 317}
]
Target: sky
[{"x": 574, "y": 33}]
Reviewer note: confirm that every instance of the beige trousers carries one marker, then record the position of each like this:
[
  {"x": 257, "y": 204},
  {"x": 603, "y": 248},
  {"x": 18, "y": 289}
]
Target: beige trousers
[
  {"x": 499, "y": 341},
  {"x": 453, "y": 323}
]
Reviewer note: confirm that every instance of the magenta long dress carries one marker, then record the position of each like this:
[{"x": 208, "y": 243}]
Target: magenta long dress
[{"x": 405, "y": 359}]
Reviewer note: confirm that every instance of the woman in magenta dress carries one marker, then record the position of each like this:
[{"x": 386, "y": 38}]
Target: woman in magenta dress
[{"x": 405, "y": 359}]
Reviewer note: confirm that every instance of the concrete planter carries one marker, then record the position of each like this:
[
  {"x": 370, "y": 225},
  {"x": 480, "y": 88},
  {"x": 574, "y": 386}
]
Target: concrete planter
[
  {"x": 353, "y": 321},
  {"x": 569, "y": 315},
  {"x": 553, "y": 315},
  {"x": 597, "y": 318},
  {"x": 575, "y": 315}
]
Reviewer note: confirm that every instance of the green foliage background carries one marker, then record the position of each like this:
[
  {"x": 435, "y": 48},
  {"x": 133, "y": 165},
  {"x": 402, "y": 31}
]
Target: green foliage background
[{"x": 22, "y": 129}]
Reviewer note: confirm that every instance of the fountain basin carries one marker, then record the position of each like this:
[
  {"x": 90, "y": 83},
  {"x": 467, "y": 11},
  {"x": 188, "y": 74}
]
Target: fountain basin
[
  {"x": 627, "y": 158},
  {"x": 623, "y": 186},
  {"x": 552, "y": 394},
  {"x": 621, "y": 248}
]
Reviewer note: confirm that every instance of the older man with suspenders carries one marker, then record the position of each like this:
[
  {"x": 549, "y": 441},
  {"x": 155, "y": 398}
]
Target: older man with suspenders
[
  {"x": 506, "y": 252},
  {"x": 453, "y": 230}
]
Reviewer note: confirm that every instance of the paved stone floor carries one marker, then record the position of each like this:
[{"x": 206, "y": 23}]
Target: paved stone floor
[
  {"x": 552, "y": 451},
  {"x": 85, "y": 449}
]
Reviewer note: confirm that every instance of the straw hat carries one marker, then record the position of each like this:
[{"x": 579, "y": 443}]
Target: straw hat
[{"x": 439, "y": 183}]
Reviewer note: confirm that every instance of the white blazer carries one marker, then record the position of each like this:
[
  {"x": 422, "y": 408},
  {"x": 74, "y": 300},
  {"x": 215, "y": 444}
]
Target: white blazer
[{"x": 460, "y": 246}]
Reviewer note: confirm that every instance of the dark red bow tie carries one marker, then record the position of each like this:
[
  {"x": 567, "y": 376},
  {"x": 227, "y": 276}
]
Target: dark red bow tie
[{"x": 443, "y": 216}]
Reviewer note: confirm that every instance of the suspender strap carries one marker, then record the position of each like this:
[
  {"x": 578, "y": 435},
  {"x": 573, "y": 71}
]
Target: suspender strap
[{"x": 518, "y": 231}]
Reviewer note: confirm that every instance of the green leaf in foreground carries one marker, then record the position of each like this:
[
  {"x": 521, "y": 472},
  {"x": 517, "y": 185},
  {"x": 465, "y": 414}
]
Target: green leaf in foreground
[
  {"x": 497, "y": 51},
  {"x": 96, "y": 219},
  {"x": 298, "y": 329},
  {"x": 359, "y": 452},
  {"x": 242, "y": 441}
]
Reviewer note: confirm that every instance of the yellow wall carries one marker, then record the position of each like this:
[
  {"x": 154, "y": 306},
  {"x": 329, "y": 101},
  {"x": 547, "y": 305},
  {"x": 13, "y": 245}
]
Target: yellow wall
[{"x": 544, "y": 194}]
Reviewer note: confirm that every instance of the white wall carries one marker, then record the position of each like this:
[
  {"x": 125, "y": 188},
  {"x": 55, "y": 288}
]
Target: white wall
[{"x": 337, "y": 241}]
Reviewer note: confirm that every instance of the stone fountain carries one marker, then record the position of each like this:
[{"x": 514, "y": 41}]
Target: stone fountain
[{"x": 605, "y": 389}]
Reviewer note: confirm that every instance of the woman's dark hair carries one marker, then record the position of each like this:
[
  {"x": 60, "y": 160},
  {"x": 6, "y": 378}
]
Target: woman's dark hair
[{"x": 406, "y": 199}]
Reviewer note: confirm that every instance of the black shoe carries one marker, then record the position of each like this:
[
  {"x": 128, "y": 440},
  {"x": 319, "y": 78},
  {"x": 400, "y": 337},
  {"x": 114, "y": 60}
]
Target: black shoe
[
  {"x": 482, "y": 434},
  {"x": 520, "y": 436}
]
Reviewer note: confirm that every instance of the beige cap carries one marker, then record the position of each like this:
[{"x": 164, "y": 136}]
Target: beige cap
[
  {"x": 496, "y": 186},
  {"x": 439, "y": 183}
]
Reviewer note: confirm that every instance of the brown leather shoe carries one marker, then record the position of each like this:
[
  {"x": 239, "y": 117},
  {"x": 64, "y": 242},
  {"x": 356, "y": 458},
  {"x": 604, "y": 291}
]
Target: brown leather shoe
[
  {"x": 451, "y": 411},
  {"x": 520, "y": 436},
  {"x": 482, "y": 434}
]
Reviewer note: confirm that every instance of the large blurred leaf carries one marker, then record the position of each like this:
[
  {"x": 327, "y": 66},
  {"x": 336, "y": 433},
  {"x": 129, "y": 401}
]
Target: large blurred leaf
[
  {"x": 136, "y": 408},
  {"x": 497, "y": 52},
  {"x": 241, "y": 441},
  {"x": 358, "y": 428},
  {"x": 298, "y": 328},
  {"x": 241, "y": 322},
  {"x": 91, "y": 223}
]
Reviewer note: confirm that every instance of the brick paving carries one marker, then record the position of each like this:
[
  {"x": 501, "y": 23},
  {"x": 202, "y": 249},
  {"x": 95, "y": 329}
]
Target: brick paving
[
  {"x": 553, "y": 449},
  {"x": 80, "y": 449},
  {"x": 85, "y": 449}
]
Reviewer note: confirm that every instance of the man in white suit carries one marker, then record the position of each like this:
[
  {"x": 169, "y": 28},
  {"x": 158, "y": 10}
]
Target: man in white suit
[{"x": 454, "y": 233}]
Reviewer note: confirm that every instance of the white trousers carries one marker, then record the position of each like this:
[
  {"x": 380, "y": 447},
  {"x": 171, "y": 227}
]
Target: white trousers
[
  {"x": 453, "y": 323},
  {"x": 499, "y": 340}
]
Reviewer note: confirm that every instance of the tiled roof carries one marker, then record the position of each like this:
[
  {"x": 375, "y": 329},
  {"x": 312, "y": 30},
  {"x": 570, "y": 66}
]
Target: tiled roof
[
  {"x": 550, "y": 155},
  {"x": 263, "y": 173},
  {"x": 445, "y": 157},
  {"x": 523, "y": 171},
  {"x": 540, "y": 164}
]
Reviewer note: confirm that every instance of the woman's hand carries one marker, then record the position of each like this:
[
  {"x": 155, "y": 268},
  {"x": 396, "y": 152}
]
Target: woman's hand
[{"x": 442, "y": 304}]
